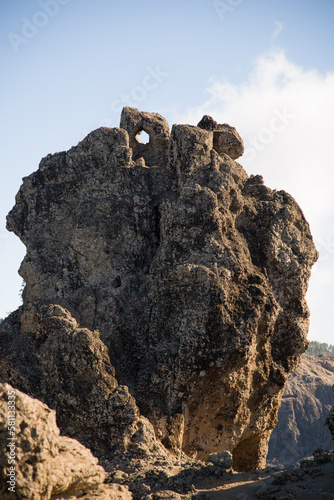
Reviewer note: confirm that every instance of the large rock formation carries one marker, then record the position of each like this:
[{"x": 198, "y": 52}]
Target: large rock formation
[
  {"x": 193, "y": 272},
  {"x": 306, "y": 402}
]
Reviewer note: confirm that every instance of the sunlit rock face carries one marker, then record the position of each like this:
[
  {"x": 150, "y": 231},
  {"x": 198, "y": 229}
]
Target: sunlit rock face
[
  {"x": 193, "y": 272},
  {"x": 50, "y": 465}
]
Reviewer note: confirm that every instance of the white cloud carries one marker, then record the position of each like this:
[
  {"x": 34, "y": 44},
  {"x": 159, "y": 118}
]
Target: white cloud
[
  {"x": 277, "y": 31},
  {"x": 285, "y": 115}
]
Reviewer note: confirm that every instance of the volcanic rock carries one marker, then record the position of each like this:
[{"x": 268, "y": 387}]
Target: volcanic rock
[
  {"x": 193, "y": 272},
  {"x": 223, "y": 458},
  {"x": 45, "y": 464},
  {"x": 69, "y": 369},
  {"x": 225, "y": 138}
]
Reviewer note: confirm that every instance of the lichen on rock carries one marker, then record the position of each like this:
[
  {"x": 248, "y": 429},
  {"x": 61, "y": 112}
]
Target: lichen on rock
[{"x": 193, "y": 272}]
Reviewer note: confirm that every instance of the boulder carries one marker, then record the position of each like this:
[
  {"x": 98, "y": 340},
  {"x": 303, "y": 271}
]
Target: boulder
[
  {"x": 225, "y": 138},
  {"x": 222, "y": 458},
  {"x": 48, "y": 356},
  {"x": 38, "y": 463}
]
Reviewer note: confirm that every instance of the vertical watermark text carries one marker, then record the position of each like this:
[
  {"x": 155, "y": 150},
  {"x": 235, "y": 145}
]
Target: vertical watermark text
[{"x": 11, "y": 438}]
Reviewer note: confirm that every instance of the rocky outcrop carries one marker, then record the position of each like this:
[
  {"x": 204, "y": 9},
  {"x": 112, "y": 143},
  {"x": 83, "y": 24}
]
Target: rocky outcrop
[
  {"x": 193, "y": 272},
  {"x": 69, "y": 369},
  {"x": 305, "y": 405},
  {"x": 37, "y": 463}
]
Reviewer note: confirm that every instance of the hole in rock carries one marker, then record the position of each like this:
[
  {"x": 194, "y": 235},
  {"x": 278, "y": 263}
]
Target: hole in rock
[
  {"x": 143, "y": 137},
  {"x": 117, "y": 282}
]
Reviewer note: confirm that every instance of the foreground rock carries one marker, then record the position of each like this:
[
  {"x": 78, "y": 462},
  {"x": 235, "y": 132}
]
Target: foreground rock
[
  {"x": 193, "y": 272},
  {"x": 40, "y": 464},
  {"x": 68, "y": 368},
  {"x": 305, "y": 405}
]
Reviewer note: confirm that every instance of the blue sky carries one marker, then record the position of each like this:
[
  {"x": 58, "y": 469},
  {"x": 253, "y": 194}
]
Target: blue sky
[{"x": 265, "y": 67}]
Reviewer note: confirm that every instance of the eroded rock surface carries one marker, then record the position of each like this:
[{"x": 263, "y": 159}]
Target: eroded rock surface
[
  {"x": 68, "y": 368},
  {"x": 306, "y": 402},
  {"x": 46, "y": 465},
  {"x": 193, "y": 272},
  {"x": 225, "y": 138}
]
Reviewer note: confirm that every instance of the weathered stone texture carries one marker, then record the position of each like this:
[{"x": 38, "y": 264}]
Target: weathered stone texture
[
  {"x": 225, "y": 138},
  {"x": 194, "y": 273},
  {"x": 69, "y": 369},
  {"x": 46, "y": 464}
]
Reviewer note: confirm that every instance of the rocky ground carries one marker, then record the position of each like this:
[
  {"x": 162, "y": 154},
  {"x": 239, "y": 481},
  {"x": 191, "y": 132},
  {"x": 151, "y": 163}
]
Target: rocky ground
[
  {"x": 311, "y": 479},
  {"x": 50, "y": 466}
]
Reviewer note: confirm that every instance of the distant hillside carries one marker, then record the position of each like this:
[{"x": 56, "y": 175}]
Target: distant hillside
[
  {"x": 306, "y": 402},
  {"x": 316, "y": 348}
]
